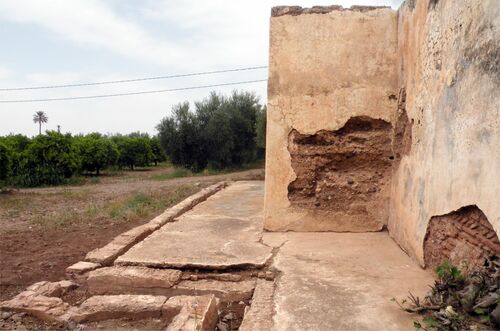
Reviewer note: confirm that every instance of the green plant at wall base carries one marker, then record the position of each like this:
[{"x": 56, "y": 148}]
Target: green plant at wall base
[
  {"x": 459, "y": 300},
  {"x": 449, "y": 273}
]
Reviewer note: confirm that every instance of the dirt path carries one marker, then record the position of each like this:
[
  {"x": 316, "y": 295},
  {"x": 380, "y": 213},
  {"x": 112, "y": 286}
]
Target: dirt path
[{"x": 44, "y": 230}]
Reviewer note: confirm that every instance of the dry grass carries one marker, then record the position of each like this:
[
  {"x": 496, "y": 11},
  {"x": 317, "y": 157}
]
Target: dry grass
[
  {"x": 131, "y": 207},
  {"x": 115, "y": 197}
]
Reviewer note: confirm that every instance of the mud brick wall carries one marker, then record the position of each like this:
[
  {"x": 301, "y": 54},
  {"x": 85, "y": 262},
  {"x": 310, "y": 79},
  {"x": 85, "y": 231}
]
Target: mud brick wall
[
  {"x": 448, "y": 67},
  {"x": 430, "y": 73},
  {"x": 332, "y": 100},
  {"x": 463, "y": 237}
]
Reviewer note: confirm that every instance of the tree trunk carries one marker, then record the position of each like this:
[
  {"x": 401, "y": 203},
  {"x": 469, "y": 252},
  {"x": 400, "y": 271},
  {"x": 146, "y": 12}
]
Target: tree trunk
[
  {"x": 39, "y": 128},
  {"x": 97, "y": 171}
]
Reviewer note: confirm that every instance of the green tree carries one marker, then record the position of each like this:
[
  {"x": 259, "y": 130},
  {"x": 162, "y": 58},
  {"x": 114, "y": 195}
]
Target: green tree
[
  {"x": 17, "y": 144},
  {"x": 260, "y": 130},
  {"x": 158, "y": 153},
  {"x": 97, "y": 152},
  {"x": 220, "y": 133},
  {"x": 215, "y": 131},
  {"x": 5, "y": 162},
  {"x": 49, "y": 160},
  {"x": 40, "y": 117},
  {"x": 134, "y": 151},
  {"x": 243, "y": 108},
  {"x": 179, "y": 135}
]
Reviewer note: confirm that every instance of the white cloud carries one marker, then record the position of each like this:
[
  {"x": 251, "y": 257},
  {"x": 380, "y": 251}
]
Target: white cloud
[{"x": 91, "y": 23}]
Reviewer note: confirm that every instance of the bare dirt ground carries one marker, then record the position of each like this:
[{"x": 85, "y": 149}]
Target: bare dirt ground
[{"x": 44, "y": 230}]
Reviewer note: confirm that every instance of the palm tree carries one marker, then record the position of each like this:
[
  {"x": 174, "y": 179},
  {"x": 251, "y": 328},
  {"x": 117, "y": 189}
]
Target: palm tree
[{"x": 40, "y": 117}]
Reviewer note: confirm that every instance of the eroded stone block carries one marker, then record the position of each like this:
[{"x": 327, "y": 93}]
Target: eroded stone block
[
  {"x": 103, "y": 307},
  {"x": 114, "y": 280},
  {"x": 226, "y": 291},
  {"x": 81, "y": 267},
  {"x": 197, "y": 313},
  {"x": 260, "y": 314},
  {"x": 42, "y": 307},
  {"x": 52, "y": 289}
]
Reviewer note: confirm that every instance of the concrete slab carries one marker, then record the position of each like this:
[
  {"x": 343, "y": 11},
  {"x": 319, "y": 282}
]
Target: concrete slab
[
  {"x": 120, "y": 244},
  {"x": 222, "y": 232},
  {"x": 343, "y": 281}
]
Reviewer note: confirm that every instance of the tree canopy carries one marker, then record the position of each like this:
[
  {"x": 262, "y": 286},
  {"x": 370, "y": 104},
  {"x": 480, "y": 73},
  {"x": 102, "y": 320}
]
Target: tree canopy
[{"x": 220, "y": 132}]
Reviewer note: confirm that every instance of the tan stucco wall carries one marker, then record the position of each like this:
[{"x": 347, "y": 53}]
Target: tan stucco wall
[
  {"x": 448, "y": 55},
  {"x": 324, "y": 69}
]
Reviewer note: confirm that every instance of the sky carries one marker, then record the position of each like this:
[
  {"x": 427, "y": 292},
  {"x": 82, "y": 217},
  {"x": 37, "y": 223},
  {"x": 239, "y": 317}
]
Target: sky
[{"x": 78, "y": 41}]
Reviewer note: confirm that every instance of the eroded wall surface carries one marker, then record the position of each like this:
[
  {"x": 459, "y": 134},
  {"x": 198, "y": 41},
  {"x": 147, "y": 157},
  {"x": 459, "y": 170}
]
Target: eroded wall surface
[
  {"x": 330, "y": 65},
  {"x": 448, "y": 63}
]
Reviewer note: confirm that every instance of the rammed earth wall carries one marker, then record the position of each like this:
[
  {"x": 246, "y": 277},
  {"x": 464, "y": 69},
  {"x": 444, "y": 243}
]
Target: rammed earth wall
[{"x": 421, "y": 84}]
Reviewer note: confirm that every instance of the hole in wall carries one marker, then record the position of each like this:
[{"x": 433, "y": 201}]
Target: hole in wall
[
  {"x": 341, "y": 170},
  {"x": 464, "y": 236}
]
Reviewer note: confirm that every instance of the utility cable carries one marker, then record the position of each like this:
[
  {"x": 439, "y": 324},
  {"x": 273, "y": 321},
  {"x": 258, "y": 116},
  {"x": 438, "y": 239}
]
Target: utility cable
[
  {"x": 131, "y": 80},
  {"x": 133, "y": 93}
]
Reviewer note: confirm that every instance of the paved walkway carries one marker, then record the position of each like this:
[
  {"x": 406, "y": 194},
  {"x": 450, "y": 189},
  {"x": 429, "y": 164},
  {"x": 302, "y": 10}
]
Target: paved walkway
[
  {"x": 328, "y": 281},
  {"x": 343, "y": 281},
  {"x": 222, "y": 232}
]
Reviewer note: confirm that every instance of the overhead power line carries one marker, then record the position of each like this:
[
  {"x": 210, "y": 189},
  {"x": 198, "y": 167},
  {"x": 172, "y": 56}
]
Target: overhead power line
[
  {"x": 134, "y": 93},
  {"x": 132, "y": 80}
]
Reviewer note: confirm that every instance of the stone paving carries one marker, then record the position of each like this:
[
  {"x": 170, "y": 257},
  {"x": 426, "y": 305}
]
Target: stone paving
[
  {"x": 222, "y": 232},
  {"x": 213, "y": 261}
]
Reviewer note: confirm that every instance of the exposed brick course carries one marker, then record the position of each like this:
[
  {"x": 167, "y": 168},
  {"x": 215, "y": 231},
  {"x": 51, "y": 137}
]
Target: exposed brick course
[{"x": 464, "y": 235}]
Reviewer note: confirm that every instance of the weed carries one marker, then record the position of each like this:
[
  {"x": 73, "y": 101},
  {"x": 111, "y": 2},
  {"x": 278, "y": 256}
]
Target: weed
[
  {"x": 449, "y": 273},
  {"x": 458, "y": 300}
]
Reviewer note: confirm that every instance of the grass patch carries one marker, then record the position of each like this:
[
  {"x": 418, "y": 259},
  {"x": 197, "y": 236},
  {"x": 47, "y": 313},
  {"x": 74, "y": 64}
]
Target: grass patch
[
  {"x": 134, "y": 207},
  {"x": 142, "y": 205},
  {"x": 138, "y": 205},
  {"x": 183, "y": 172}
]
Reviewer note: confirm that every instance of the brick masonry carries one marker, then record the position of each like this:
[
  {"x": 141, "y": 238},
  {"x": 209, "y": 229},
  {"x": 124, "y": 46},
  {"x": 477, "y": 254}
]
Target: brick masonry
[{"x": 464, "y": 235}]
